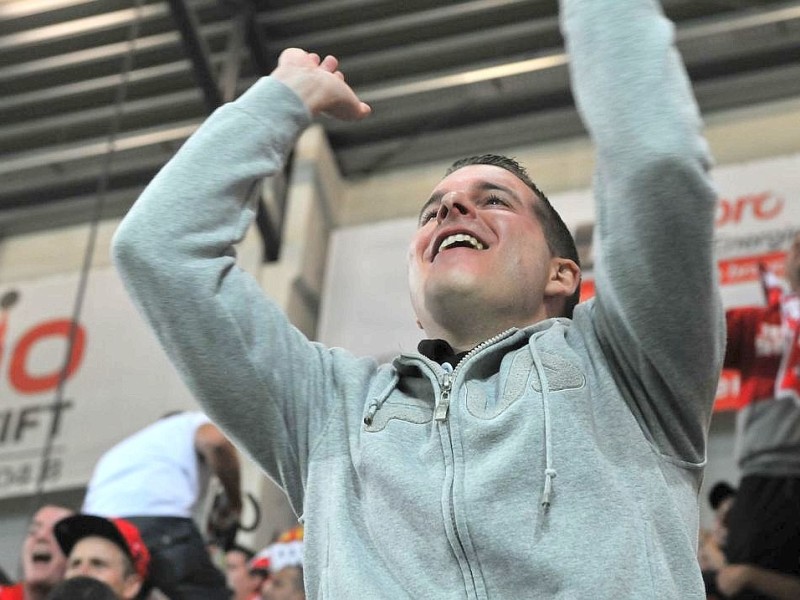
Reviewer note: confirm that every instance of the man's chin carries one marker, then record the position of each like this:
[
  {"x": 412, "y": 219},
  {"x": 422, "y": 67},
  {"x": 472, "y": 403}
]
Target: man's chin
[
  {"x": 455, "y": 283},
  {"x": 42, "y": 577},
  {"x": 455, "y": 299},
  {"x": 41, "y": 585}
]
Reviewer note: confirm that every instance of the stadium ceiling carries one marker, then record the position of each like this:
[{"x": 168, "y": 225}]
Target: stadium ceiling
[{"x": 473, "y": 75}]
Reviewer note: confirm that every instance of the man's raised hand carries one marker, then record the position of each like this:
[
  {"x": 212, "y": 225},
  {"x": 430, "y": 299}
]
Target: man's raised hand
[{"x": 319, "y": 84}]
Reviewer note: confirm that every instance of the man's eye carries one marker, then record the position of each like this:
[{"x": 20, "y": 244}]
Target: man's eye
[
  {"x": 495, "y": 201},
  {"x": 427, "y": 216}
]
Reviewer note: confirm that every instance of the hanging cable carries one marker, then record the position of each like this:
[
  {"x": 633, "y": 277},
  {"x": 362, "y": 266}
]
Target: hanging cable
[{"x": 94, "y": 223}]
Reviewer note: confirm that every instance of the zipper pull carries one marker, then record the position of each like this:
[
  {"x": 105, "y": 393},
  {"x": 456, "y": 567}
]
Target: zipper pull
[{"x": 440, "y": 414}]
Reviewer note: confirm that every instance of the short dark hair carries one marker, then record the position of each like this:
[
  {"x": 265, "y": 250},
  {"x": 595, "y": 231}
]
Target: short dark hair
[
  {"x": 558, "y": 236},
  {"x": 82, "y": 588},
  {"x": 248, "y": 553},
  {"x": 721, "y": 491}
]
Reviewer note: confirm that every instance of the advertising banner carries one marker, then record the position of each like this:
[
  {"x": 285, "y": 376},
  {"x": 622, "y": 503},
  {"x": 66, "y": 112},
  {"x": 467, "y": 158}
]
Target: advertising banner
[
  {"x": 757, "y": 215},
  {"x": 118, "y": 379}
]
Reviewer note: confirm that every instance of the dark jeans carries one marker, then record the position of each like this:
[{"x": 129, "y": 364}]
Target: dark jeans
[{"x": 179, "y": 563}]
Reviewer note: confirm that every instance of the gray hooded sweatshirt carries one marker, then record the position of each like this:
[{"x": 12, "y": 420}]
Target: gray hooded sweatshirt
[{"x": 561, "y": 460}]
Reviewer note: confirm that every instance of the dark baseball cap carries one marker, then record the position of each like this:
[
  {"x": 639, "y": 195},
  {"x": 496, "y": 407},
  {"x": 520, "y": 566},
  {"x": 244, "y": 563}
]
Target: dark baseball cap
[{"x": 123, "y": 533}]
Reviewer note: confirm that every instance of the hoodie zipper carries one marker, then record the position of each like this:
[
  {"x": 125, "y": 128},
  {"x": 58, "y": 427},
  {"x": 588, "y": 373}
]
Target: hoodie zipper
[
  {"x": 449, "y": 375},
  {"x": 440, "y": 415}
]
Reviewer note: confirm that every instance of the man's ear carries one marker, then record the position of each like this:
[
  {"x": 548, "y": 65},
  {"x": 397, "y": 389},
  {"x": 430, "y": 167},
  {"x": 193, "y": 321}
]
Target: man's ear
[
  {"x": 563, "y": 280},
  {"x": 133, "y": 583}
]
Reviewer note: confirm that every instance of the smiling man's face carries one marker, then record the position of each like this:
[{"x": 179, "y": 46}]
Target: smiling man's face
[
  {"x": 479, "y": 250},
  {"x": 43, "y": 563}
]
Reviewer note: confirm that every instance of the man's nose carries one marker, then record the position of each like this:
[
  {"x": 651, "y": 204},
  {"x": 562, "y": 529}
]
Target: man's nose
[{"x": 454, "y": 204}]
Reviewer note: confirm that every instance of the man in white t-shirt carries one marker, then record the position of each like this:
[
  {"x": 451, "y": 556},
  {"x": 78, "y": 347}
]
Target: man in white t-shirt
[{"x": 155, "y": 478}]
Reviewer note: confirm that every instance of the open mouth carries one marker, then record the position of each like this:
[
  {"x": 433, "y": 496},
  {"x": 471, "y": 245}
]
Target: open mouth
[
  {"x": 460, "y": 240},
  {"x": 41, "y": 557}
]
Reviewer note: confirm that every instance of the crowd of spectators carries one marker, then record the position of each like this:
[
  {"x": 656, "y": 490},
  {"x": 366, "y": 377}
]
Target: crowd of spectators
[
  {"x": 69, "y": 556},
  {"x": 136, "y": 538},
  {"x": 156, "y": 479}
]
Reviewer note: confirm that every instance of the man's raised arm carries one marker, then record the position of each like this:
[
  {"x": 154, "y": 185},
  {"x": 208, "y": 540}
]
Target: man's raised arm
[
  {"x": 657, "y": 311},
  {"x": 257, "y": 377}
]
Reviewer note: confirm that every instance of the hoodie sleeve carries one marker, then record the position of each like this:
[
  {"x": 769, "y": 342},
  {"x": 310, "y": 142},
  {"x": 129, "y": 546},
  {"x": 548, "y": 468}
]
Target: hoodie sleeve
[
  {"x": 255, "y": 375},
  {"x": 657, "y": 311}
]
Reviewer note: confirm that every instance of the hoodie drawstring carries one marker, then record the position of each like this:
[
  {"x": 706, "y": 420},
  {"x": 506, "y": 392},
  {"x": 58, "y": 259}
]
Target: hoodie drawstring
[
  {"x": 378, "y": 400},
  {"x": 549, "y": 471}
]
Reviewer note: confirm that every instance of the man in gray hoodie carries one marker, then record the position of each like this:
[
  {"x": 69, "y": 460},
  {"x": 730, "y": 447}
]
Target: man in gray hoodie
[{"x": 522, "y": 453}]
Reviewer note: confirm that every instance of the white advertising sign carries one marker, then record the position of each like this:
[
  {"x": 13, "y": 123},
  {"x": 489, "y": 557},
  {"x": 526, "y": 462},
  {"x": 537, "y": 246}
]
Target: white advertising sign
[{"x": 118, "y": 379}]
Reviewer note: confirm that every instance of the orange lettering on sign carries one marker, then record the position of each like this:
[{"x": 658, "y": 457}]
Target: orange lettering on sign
[
  {"x": 763, "y": 206},
  {"x": 20, "y": 377}
]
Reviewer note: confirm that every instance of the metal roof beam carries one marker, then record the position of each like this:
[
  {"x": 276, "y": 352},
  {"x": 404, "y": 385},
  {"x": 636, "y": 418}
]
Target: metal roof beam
[
  {"x": 322, "y": 10},
  {"x": 49, "y": 181},
  {"x": 87, "y": 25},
  {"x": 197, "y": 50},
  {"x": 101, "y": 53},
  {"x": 686, "y": 35},
  {"x": 26, "y": 8},
  {"x": 63, "y": 213},
  {"x": 65, "y": 153},
  {"x": 34, "y": 131},
  {"x": 713, "y": 95}
]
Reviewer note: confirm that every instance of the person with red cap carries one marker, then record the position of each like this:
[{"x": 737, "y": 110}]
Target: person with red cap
[
  {"x": 156, "y": 478},
  {"x": 42, "y": 561},
  {"x": 110, "y": 550}
]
